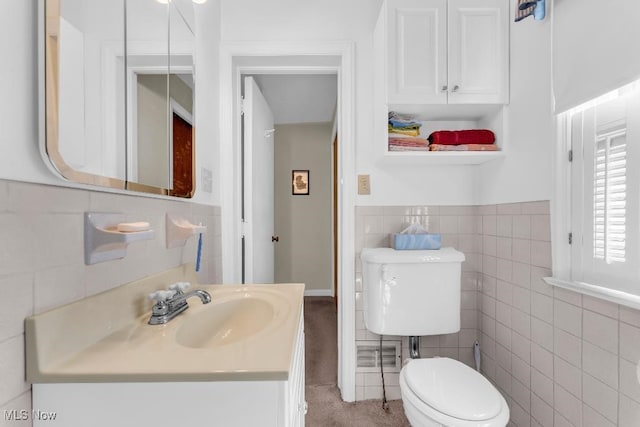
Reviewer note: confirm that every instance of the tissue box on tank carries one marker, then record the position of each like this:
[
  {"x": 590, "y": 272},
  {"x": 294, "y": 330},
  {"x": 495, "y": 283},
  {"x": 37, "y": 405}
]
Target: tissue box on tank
[{"x": 403, "y": 241}]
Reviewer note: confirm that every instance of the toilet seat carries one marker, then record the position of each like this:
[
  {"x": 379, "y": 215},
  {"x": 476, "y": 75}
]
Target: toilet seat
[{"x": 450, "y": 393}]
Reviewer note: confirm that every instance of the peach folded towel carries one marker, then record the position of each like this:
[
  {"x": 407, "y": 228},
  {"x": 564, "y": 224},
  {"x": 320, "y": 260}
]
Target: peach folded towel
[{"x": 464, "y": 147}]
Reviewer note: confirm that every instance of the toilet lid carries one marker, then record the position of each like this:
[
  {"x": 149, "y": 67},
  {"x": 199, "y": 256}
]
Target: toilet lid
[{"x": 453, "y": 388}]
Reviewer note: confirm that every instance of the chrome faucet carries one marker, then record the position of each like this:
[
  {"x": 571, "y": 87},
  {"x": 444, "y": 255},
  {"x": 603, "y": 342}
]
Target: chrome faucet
[{"x": 172, "y": 302}]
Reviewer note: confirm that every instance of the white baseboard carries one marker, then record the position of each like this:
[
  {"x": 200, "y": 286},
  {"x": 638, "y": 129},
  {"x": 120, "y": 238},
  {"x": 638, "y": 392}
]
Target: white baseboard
[{"x": 318, "y": 293}]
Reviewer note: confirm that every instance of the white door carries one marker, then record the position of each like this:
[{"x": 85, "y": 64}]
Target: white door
[
  {"x": 417, "y": 51},
  {"x": 478, "y": 46},
  {"x": 258, "y": 185}
]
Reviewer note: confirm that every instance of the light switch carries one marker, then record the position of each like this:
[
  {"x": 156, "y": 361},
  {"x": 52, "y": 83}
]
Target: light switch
[{"x": 364, "y": 186}]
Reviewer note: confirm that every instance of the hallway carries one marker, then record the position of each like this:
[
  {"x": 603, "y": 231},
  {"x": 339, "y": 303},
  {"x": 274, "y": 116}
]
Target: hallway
[{"x": 326, "y": 408}]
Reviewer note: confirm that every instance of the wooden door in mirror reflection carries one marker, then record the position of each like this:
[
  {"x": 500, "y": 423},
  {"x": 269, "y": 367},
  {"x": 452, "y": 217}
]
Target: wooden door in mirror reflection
[{"x": 182, "y": 157}]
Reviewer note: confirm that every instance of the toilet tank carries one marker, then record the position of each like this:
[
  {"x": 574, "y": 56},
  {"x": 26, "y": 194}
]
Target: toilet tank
[{"x": 411, "y": 292}]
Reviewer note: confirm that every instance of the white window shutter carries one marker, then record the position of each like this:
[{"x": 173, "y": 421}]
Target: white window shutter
[{"x": 610, "y": 197}]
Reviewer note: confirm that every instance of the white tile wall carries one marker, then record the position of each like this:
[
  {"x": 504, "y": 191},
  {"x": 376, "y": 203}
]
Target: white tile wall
[
  {"x": 560, "y": 358},
  {"x": 582, "y": 354},
  {"x": 42, "y": 260}
]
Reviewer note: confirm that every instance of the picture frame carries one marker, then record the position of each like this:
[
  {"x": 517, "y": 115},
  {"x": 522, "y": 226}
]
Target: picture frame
[{"x": 300, "y": 182}]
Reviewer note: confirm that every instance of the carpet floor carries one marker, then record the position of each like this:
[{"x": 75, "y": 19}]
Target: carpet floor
[{"x": 326, "y": 408}]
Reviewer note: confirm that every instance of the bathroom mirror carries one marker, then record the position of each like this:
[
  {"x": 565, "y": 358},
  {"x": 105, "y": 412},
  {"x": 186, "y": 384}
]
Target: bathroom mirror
[{"x": 119, "y": 90}]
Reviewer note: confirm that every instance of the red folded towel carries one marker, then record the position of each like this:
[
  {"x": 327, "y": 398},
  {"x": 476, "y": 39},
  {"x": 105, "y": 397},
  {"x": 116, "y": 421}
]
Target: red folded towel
[
  {"x": 457, "y": 137},
  {"x": 463, "y": 147}
]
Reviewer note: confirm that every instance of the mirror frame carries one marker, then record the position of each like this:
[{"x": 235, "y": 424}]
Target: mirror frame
[{"x": 51, "y": 143}]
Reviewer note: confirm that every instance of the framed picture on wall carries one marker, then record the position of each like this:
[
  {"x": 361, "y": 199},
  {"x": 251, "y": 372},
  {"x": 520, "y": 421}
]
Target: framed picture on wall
[{"x": 300, "y": 182}]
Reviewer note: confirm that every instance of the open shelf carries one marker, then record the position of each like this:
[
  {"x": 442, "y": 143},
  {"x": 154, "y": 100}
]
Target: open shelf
[
  {"x": 447, "y": 112},
  {"x": 446, "y": 117},
  {"x": 440, "y": 157}
]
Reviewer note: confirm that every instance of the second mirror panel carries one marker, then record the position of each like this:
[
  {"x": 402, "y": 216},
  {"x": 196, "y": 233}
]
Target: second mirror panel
[
  {"x": 160, "y": 102},
  {"x": 181, "y": 98}
]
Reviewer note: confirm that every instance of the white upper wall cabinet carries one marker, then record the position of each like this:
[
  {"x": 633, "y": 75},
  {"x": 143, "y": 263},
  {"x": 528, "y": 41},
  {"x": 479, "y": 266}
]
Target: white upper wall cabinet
[
  {"x": 417, "y": 51},
  {"x": 453, "y": 52},
  {"x": 478, "y": 51}
]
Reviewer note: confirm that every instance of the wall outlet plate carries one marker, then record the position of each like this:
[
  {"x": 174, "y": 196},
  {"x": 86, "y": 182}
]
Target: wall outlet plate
[{"x": 364, "y": 186}]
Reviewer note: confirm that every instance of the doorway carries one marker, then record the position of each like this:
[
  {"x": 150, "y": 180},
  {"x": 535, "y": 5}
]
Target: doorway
[
  {"x": 288, "y": 131},
  {"x": 182, "y": 155},
  {"x": 294, "y": 58}
]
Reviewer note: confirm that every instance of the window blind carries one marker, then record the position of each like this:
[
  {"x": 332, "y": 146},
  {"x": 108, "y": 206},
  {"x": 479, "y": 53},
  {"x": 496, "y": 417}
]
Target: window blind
[
  {"x": 605, "y": 187},
  {"x": 610, "y": 197},
  {"x": 594, "y": 48}
]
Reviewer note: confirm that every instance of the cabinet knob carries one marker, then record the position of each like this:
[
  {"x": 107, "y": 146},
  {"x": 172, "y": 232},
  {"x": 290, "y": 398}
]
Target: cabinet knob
[
  {"x": 444, "y": 88},
  {"x": 455, "y": 88}
]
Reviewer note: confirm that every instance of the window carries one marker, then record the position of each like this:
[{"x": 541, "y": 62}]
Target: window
[
  {"x": 609, "y": 196},
  {"x": 596, "y": 213}
]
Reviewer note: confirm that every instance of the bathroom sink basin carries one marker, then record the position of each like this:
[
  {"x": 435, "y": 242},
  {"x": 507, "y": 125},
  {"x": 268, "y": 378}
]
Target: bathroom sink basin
[
  {"x": 246, "y": 333},
  {"x": 224, "y": 322}
]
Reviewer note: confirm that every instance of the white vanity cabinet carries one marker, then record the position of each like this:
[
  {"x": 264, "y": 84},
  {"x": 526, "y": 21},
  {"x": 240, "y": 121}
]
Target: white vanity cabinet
[
  {"x": 446, "y": 52},
  {"x": 236, "y": 361},
  {"x": 268, "y": 403}
]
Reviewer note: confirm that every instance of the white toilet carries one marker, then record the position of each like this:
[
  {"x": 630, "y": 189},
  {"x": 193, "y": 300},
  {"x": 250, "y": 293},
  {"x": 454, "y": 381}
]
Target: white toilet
[{"x": 417, "y": 293}]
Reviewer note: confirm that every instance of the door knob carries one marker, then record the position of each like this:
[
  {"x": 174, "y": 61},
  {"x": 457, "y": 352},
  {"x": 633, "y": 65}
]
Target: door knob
[{"x": 275, "y": 238}]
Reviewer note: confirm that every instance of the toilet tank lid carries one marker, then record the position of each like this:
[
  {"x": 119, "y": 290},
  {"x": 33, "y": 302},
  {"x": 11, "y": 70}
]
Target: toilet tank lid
[{"x": 392, "y": 256}]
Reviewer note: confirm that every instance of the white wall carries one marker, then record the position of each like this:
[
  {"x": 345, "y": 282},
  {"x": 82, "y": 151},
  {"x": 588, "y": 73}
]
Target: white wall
[
  {"x": 303, "y": 223},
  {"x": 20, "y": 158},
  {"x": 525, "y": 173},
  {"x": 207, "y": 98}
]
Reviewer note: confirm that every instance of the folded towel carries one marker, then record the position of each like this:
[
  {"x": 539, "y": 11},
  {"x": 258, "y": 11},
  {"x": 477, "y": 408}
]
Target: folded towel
[
  {"x": 524, "y": 9},
  {"x": 398, "y": 116},
  {"x": 402, "y": 148},
  {"x": 408, "y": 144},
  {"x": 403, "y": 124},
  {"x": 456, "y": 137},
  {"x": 407, "y": 140},
  {"x": 400, "y": 135},
  {"x": 410, "y": 132},
  {"x": 464, "y": 147}
]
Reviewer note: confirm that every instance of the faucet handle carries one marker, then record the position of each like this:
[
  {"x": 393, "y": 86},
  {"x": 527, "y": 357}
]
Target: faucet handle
[
  {"x": 161, "y": 296},
  {"x": 179, "y": 286}
]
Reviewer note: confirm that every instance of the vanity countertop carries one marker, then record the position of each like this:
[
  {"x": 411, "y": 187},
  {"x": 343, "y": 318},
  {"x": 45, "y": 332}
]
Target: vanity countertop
[{"x": 86, "y": 342}]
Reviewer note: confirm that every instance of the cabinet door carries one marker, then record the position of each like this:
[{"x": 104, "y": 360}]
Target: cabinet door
[
  {"x": 478, "y": 51},
  {"x": 416, "y": 51}
]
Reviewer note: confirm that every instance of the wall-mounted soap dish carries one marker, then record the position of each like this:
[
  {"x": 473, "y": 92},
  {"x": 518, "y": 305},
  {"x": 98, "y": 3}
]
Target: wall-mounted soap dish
[
  {"x": 107, "y": 235},
  {"x": 179, "y": 229}
]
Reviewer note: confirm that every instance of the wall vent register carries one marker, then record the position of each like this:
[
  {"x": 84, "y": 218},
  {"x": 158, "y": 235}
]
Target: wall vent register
[{"x": 368, "y": 356}]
